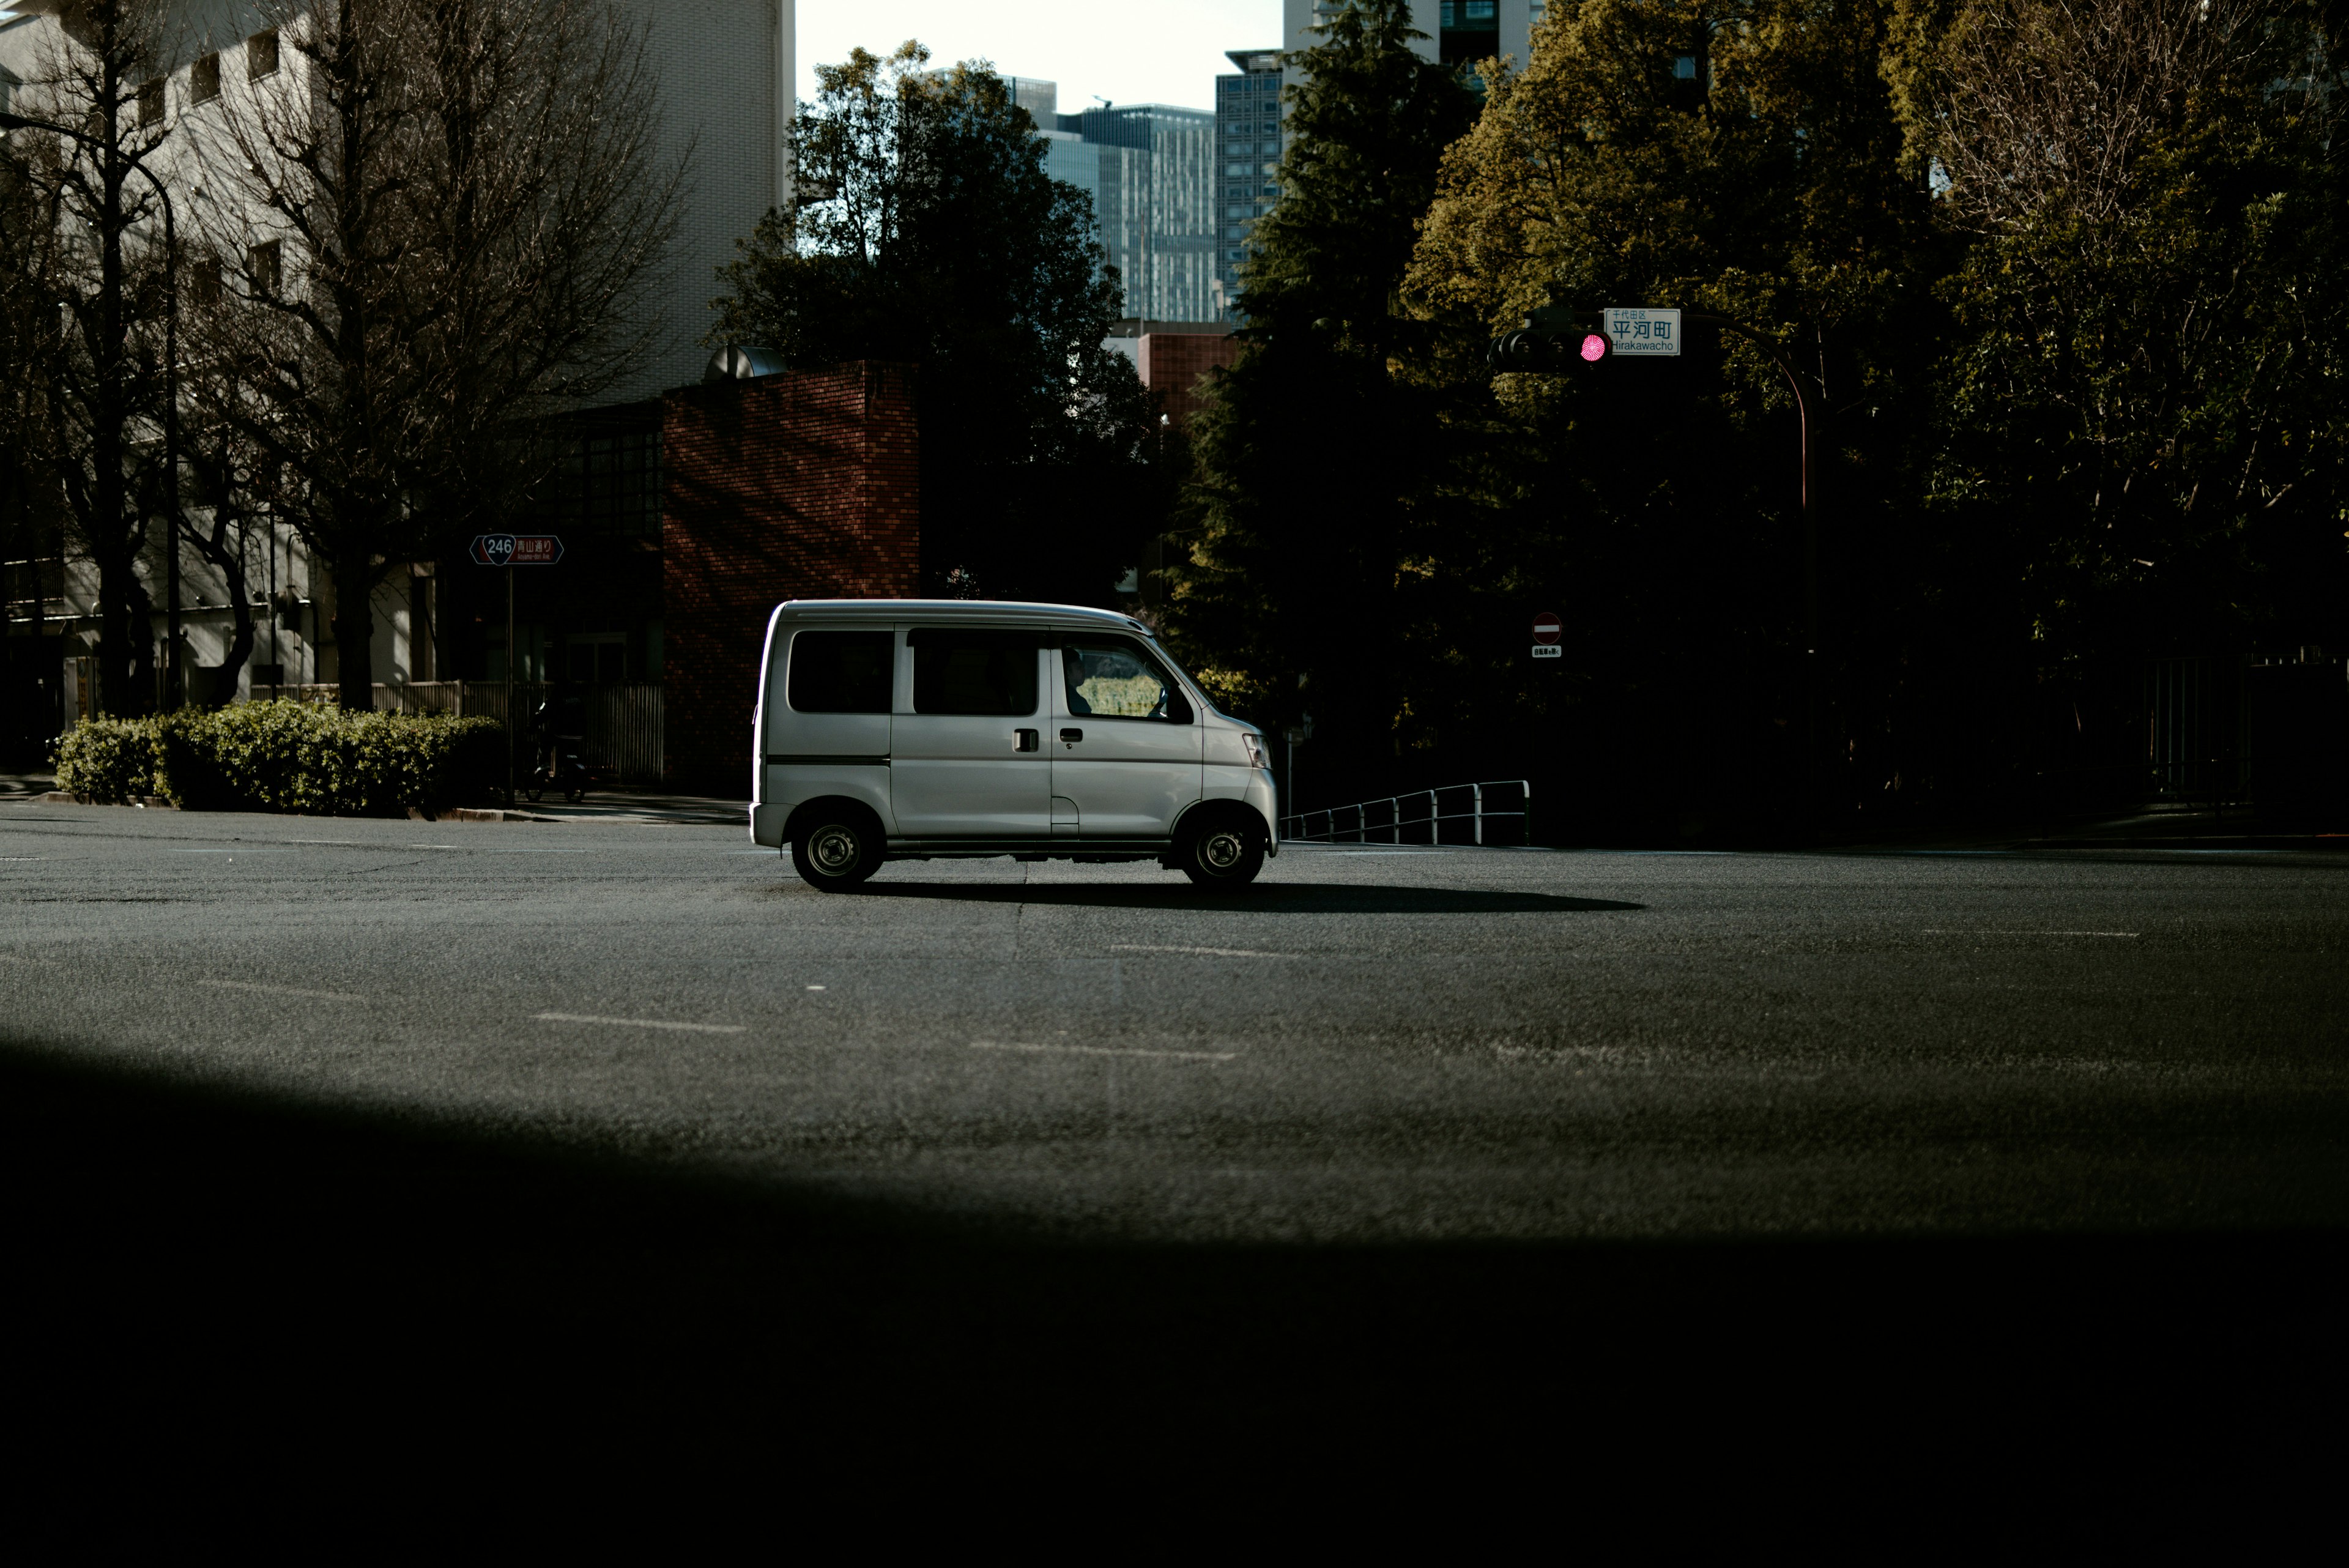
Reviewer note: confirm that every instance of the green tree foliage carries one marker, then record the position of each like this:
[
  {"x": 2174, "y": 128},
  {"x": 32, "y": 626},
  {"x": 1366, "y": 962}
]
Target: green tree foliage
[
  {"x": 2063, "y": 278},
  {"x": 1314, "y": 457},
  {"x": 927, "y": 230},
  {"x": 1654, "y": 504}
]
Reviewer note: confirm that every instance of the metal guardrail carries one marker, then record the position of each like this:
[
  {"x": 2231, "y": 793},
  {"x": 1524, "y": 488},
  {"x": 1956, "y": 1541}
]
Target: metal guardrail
[{"x": 1296, "y": 829}]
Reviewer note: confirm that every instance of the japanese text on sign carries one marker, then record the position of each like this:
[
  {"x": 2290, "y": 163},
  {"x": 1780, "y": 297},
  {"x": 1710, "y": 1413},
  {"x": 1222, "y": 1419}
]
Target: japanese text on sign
[
  {"x": 1641, "y": 331},
  {"x": 517, "y": 549}
]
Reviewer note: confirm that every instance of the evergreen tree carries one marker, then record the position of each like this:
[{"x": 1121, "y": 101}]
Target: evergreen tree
[
  {"x": 1315, "y": 453},
  {"x": 927, "y": 230}
]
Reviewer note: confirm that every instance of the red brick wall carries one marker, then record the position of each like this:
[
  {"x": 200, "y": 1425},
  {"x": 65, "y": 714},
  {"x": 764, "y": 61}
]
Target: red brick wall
[
  {"x": 797, "y": 487},
  {"x": 1173, "y": 363}
]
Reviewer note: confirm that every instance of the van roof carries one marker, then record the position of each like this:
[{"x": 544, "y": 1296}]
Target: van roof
[{"x": 961, "y": 610}]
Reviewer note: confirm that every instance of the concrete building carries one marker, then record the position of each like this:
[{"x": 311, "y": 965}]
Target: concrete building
[{"x": 725, "y": 77}]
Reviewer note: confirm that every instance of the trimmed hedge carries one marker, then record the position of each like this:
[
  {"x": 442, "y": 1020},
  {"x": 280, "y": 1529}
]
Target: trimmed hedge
[{"x": 284, "y": 757}]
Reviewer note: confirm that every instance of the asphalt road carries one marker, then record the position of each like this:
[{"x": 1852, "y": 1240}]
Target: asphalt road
[{"x": 1435, "y": 1119}]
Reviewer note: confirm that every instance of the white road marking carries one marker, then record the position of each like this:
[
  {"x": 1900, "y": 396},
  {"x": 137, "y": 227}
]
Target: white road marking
[
  {"x": 1359, "y": 853},
  {"x": 642, "y": 1023},
  {"x": 1952, "y": 931},
  {"x": 1210, "y": 952},
  {"x": 281, "y": 990},
  {"x": 1104, "y": 1051},
  {"x": 815, "y": 988},
  {"x": 240, "y": 849},
  {"x": 20, "y": 859}
]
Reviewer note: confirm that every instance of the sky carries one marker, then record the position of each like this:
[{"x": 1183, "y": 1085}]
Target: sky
[{"x": 1128, "y": 51}]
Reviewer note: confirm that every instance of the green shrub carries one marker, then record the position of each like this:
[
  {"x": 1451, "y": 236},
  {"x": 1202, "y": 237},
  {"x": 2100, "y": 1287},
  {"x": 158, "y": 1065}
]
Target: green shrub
[
  {"x": 108, "y": 760},
  {"x": 297, "y": 757}
]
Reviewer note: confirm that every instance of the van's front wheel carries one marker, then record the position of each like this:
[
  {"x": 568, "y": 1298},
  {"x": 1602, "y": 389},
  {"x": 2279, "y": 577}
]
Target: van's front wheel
[
  {"x": 1221, "y": 851},
  {"x": 835, "y": 853}
]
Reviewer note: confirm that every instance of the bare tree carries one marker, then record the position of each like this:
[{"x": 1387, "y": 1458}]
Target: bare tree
[
  {"x": 438, "y": 228},
  {"x": 91, "y": 271},
  {"x": 2040, "y": 107}
]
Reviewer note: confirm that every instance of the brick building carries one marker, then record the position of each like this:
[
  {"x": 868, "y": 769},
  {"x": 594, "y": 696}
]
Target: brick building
[
  {"x": 792, "y": 486},
  {"x": 1173, "y": 358}
]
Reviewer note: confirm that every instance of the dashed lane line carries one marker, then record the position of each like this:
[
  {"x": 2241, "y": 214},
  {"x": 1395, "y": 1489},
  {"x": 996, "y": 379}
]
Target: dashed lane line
[
  {"x": 1208, "y": 952},
  {"x": 642, "y": 1023},
  {"x": 1103, "y": 1051}
]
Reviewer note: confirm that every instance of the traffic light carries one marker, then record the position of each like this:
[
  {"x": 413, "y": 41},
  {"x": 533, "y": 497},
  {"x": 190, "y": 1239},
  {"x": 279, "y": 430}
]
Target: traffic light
[{"x": 1554, "y": 339}]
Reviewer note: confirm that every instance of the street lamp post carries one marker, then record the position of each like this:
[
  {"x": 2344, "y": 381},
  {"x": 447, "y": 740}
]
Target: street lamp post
[
  {"x": 1777, "y": 356},
  {"x": 174, "y": 685}
]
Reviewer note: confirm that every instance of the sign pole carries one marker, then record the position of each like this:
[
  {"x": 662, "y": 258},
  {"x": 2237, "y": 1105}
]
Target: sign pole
[
  {"x": 511, "y": 654},
  {"x": 508, "y": 551}
]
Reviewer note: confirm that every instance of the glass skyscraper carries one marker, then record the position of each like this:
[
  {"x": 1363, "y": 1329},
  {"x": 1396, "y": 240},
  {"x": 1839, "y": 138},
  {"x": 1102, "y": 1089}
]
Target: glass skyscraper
[
  {"x": 1149, "y": 169},
  {"x": 1247, "y": 161}
]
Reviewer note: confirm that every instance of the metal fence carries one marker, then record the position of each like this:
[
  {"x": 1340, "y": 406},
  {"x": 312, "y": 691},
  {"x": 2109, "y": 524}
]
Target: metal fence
[
  {"x": 1421, "y": 812},
  {"x": 625, "y": 741}
]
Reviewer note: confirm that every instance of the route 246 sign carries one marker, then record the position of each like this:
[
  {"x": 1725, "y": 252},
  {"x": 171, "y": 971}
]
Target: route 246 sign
[
  {"x": 1547, "y": 630},
  {"x": 517, "y": 549}
]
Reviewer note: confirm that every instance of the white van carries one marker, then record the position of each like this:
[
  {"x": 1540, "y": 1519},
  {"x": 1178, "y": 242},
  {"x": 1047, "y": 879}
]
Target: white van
[{"x": 912, "y": 728}]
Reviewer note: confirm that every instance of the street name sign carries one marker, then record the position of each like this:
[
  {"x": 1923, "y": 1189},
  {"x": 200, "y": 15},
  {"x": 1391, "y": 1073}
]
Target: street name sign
[
  {"x": 1644, "y": 332},
  {"x": 1547, "y": 630},
  {"x": 517, "y": 549}
]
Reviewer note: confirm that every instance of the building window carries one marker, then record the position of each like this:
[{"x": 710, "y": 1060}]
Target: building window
[
  {"x": 609, "y": 482},
  {"x": 151, "y": 102},
  {"x": 1684, "y": 67},
  {"x": 263, "y": 270},
  {"x": 203, "y": 79},
  {"x": 261, "y": 55},
  {"x": 204, "y": 280}
]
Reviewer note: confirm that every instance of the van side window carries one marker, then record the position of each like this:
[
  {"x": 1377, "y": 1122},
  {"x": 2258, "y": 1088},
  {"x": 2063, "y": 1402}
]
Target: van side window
[
  {"x": 957, "y": 672},
  {"x": 1113, "y": 678},
  {"x": 843, "y": 672}
]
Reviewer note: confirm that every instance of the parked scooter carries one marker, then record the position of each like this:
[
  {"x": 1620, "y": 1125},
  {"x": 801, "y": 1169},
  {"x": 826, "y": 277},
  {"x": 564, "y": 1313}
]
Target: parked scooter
[{"x": 558, "y": 744}]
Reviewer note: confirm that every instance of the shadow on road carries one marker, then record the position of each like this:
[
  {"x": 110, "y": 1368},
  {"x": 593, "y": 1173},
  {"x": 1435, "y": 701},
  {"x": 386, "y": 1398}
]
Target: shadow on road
[
  {"x": 246, "y": 1283},
  {"x": 1274, "y": 899}
]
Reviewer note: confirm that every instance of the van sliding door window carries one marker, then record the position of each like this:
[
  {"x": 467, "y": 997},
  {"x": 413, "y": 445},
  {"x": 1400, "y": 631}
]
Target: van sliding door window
[
  {"x": 988, "y": 672},
  {"x": 843, "y": 672}
]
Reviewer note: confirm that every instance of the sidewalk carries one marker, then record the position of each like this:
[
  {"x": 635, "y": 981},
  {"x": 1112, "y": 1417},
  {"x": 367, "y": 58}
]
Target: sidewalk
[{"x": 22, "y": 786}]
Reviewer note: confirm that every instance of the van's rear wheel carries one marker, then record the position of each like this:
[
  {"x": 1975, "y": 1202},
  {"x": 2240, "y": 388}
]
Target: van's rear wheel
[
  {"x": 834, "y": 853},
  {"x": 1222, "y": 852}
]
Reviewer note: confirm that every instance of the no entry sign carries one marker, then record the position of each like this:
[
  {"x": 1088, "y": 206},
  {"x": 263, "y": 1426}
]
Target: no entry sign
[
  {"x": 1547, "y": 630},
  {"x": 517, "y": 549}
]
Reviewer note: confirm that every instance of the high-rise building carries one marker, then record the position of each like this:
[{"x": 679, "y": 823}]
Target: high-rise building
[
  {"x": 1248, "y": 161},
  {"x": 1150, "y": 169}
]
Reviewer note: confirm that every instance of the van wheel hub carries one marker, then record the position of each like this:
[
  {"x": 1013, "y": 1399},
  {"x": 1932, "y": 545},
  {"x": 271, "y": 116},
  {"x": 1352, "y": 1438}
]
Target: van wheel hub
[
  {"x": 833, "y": 848},
  {"x": 1222, "y": 850}
]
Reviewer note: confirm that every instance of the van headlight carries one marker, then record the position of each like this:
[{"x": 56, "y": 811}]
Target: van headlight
[{"x": 1255, "y": 745}]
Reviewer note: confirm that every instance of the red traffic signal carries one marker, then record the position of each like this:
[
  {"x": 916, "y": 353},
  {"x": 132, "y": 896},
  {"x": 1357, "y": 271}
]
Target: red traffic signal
[{"x": 1550, "y": 346}]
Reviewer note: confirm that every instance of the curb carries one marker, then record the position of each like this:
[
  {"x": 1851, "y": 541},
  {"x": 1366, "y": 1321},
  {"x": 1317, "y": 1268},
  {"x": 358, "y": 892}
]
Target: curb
[
  {"x": 472, "y": 814},
  {"x": 136, "y": 803}
]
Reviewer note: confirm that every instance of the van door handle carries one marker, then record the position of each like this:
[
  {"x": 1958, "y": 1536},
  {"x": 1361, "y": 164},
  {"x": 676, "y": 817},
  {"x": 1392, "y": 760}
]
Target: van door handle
[
  {"x": 1027, "y": 740},
  {"x": 1073, "y": 736}
]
